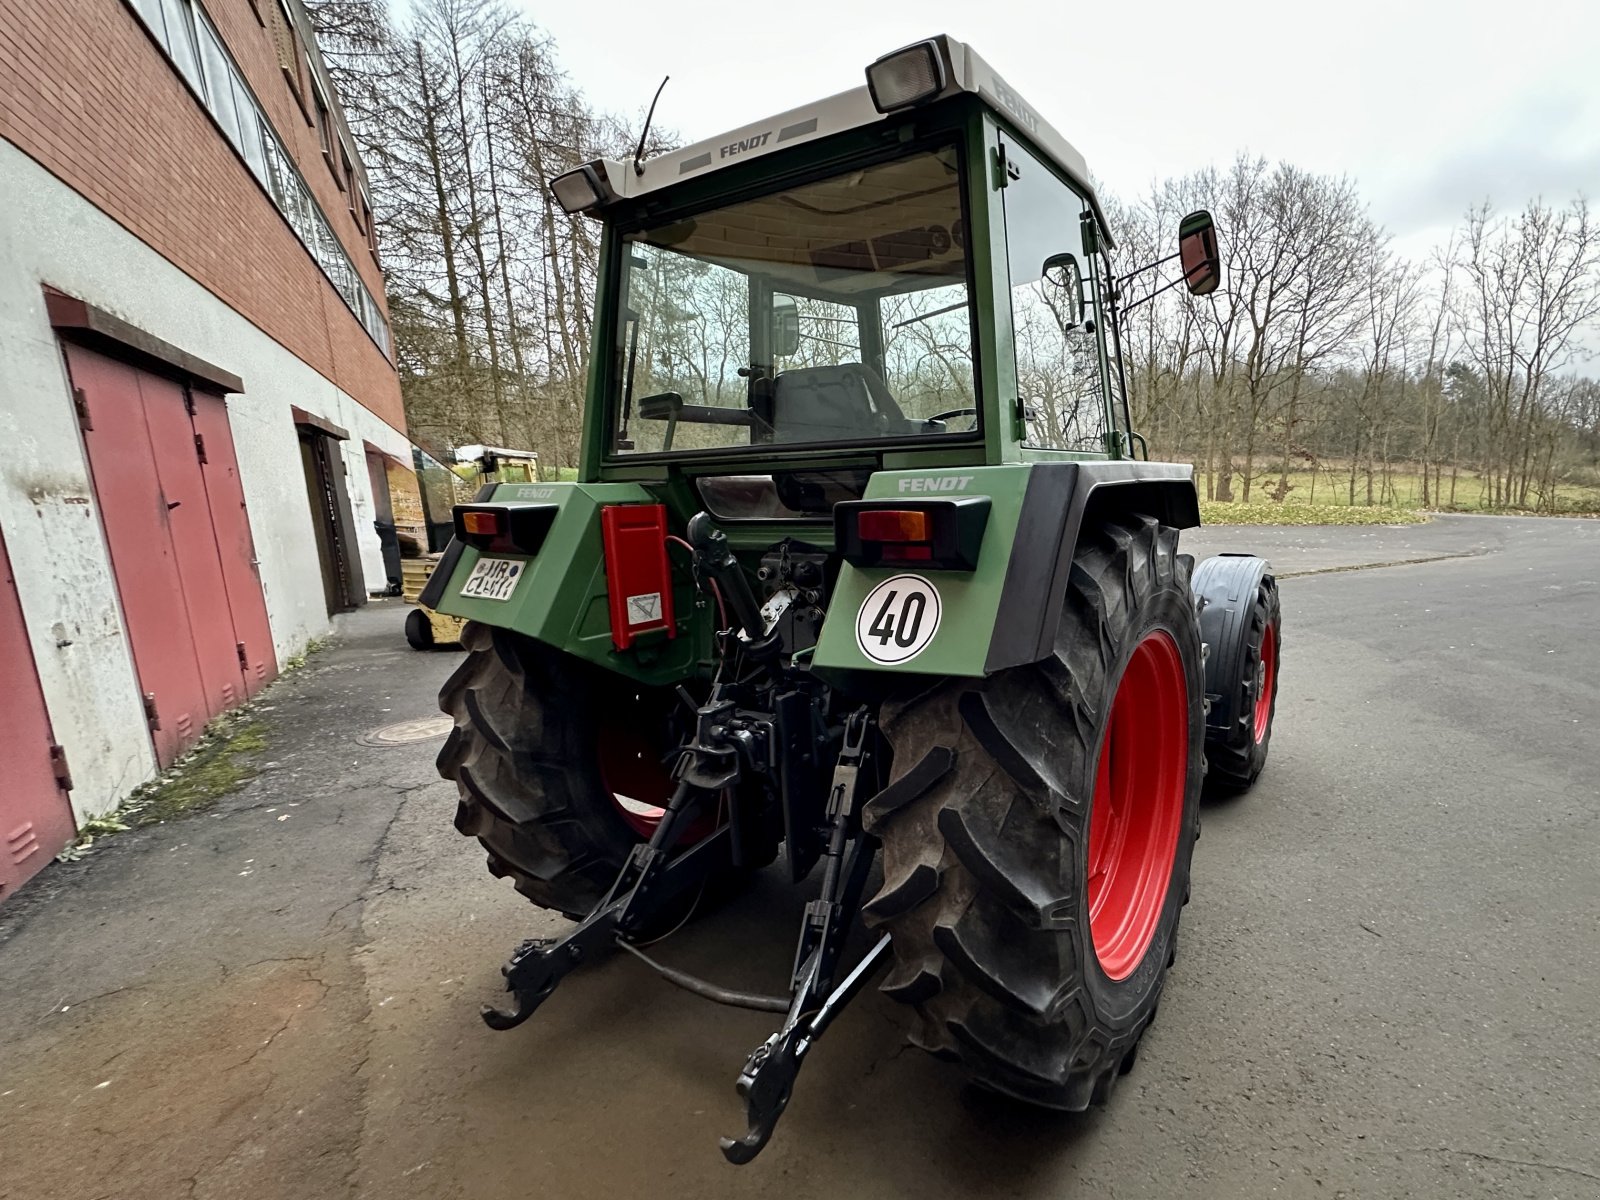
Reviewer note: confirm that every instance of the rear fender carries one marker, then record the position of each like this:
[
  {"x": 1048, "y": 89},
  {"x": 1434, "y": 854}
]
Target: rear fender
[
  {"x": 1006, "y": 612},
  {"x": 561, "y": 598}
]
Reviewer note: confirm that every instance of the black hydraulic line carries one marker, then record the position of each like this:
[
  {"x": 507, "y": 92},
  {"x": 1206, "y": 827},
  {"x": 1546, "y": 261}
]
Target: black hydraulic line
[
  {"x": 709, "y": 991},
  {"x": 714, "y": 560}
]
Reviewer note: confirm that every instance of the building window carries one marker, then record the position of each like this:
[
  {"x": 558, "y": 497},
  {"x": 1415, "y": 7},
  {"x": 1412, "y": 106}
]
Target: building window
[
  {"x": 286, "y": 40},
  {"x": 199, "y": 54},
  {"x": 325, "y": 135},
  {"x": 221, "y": 97},
  {"x": 180, "y": 40}
]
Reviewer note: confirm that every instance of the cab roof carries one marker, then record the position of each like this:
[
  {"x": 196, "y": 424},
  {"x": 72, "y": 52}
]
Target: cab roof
[{"x": 966, "y": 71}]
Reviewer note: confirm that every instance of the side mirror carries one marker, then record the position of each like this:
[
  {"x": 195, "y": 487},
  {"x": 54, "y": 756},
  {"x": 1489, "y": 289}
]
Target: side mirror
[
  {"x": 1197, "y": 249},
  {"x": 785, "y": 326},
  {"x": 1064, "y": 275}
]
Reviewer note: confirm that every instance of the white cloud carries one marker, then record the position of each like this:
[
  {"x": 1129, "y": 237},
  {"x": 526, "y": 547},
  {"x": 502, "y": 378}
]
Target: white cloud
[{"x": 1429, "y": 105}]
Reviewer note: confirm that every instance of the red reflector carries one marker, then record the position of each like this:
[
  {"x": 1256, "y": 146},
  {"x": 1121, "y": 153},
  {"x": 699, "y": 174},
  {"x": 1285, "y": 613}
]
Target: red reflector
[
  {"x": 638, "y": 579},
  {"x": 484, "y": 524},
  {"x": 893, "y": 525},
  {"x": 892, "y": 553}
]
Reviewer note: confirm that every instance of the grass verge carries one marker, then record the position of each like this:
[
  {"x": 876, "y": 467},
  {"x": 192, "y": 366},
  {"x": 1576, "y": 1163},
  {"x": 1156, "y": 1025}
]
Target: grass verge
[
  {"x": 226, "y": 757},
  {"x": 1214, "y": 512},
  {"x": 222, "y": 761}
]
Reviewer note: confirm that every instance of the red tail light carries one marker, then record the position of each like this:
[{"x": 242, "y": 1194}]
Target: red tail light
[
  {"x": 939, "y": 534},
  {"x": 514, "y": 527}
]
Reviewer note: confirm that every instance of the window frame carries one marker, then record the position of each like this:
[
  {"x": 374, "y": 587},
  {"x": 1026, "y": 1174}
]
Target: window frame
[
  {"x": 610, "y": 377},
  {"x": 1092, "y": 279}
]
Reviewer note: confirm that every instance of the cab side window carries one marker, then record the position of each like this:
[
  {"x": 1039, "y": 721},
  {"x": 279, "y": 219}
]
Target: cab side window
[{"x": 1052, "y": 309}]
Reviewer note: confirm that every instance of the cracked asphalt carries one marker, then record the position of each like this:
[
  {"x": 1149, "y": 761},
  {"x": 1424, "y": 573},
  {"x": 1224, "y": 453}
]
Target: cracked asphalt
[{"x": 1388, "y": 984}]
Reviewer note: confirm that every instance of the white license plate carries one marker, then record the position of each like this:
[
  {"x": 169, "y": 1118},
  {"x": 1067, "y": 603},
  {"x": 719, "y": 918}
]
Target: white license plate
[{"x": 494, "y": 578}]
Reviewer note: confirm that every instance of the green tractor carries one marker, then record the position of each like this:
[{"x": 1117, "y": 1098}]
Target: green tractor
[{"x": 862, "y": 570}]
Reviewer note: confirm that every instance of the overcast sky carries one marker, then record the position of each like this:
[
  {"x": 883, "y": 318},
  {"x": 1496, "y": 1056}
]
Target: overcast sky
[{"x": 1431, "y": 106}]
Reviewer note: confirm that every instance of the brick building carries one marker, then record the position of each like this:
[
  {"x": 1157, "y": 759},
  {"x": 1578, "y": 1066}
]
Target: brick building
[{"x": 198, "y": 403}]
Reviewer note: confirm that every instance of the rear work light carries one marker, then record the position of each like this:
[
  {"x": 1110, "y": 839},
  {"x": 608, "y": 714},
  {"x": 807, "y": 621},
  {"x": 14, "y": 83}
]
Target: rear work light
[
  {"x": 943, "y": 535},
  {"x": 583, "y": 188},
  {"x": 505, "y": 528},
  {"x": 911, "y": 75}
]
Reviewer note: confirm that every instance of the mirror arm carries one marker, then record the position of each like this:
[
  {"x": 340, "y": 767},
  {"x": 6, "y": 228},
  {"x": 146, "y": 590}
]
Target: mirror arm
[
  {"x": 1149, "y": 266},
  {"x": 938, "y": 312},
  {"x": 1149, "y": 296}
]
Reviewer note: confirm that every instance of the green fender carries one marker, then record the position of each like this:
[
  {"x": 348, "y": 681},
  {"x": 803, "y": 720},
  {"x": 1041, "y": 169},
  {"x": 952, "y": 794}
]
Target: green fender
[
  {"x": 561, "y": 598},
  {"x": 1005, "y": 612}
]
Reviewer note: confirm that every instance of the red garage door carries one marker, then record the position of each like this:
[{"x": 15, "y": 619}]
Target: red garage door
[
  {"x": 35, "y": 817},
  {"x": 165, "y": 476}
]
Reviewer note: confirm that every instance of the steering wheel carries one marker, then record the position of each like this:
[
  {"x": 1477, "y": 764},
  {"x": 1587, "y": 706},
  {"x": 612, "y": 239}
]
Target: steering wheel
[{"x": 940, "y": 418}]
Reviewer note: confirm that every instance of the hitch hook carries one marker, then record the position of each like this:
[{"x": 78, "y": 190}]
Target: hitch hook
[{"x": 767, "y": 1081}]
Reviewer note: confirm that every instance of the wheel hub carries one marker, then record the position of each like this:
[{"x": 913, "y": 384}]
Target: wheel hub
[{"x": 1266, "y": 679}]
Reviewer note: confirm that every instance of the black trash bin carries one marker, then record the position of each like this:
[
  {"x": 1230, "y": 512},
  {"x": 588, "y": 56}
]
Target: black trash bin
[{"x": 389, "y": 541}]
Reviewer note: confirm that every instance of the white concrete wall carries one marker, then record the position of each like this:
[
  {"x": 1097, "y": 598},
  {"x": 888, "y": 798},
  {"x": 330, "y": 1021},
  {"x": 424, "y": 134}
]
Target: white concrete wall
[{"x": 51, "y": 235}]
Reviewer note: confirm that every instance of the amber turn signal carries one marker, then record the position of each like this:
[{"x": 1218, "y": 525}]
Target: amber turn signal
[
  {"x": 893, "y": 525},
  {"x": 484, "y": 524}
]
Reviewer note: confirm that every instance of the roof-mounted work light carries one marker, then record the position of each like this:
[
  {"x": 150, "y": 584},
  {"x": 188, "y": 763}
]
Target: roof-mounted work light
[
  {"x": 584, "y": 188},
  {"x": 911, "y": 75}
]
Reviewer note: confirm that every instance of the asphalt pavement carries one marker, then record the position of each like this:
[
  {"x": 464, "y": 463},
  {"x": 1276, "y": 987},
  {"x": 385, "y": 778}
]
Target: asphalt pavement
[{"x": 1388, "y": 983}]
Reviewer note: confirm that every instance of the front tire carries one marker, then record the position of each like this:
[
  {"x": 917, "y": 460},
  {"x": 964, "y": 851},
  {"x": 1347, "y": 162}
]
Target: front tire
[
  {"x": 1242, "y": 623},
  {"x": 419, "y": 630},
  {"x": 1038, "y": 828}
]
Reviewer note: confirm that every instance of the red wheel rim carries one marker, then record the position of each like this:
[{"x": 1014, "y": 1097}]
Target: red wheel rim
[
  {"x": 1266, "y": 681},
  {"x": 1140, "y": 783},
  {"x": 632, "y": 772}
]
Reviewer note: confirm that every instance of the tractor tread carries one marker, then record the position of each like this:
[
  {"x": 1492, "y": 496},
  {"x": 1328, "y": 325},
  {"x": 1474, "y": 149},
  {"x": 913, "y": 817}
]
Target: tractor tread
[
  {"x": 995, "y": 957},
  {"x": 529, "y": 791},
  {"x": 1234, "y": 759}
]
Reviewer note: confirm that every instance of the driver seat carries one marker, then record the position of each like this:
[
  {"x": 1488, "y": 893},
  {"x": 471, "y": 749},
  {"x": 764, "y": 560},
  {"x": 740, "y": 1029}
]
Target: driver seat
[{"x": 847, "y": 402}]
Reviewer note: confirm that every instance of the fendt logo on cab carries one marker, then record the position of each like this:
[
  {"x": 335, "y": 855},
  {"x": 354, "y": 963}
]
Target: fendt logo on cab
[
  {"x": 936, "y": 483},
  {"x": 753, "y": 142}
]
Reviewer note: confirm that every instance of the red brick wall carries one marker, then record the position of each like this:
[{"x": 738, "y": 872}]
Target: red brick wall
[{"x": 86, "y": 93}]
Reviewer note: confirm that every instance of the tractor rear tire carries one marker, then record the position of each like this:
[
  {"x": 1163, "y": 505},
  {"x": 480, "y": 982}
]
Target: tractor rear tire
[
  {"x": 525, "y": 754},
  {"x": 1032, "y": 882}
]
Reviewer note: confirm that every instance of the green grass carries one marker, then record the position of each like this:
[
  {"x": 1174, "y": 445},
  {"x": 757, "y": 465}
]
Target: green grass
[
  {"x": 1331, "y": 488},
  {"x": 224, "y": 759},
  {"x": 1269, "y": 512}
]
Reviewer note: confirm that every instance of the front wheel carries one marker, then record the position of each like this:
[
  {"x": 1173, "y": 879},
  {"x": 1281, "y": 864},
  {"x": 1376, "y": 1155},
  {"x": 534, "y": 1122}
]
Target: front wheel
[
  {"x": 419, "y": 630},
  {"x": 1242, "y": 624},
  {"x": 1038, "y": 829}
]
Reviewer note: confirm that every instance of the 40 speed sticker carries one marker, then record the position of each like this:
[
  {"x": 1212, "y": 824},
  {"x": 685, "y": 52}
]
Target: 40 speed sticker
[{"x": 898, "y": 619}]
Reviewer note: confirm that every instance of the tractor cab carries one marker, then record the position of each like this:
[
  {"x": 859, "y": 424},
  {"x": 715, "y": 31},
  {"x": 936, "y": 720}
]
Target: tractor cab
[{"x": 912, "y": 272}]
